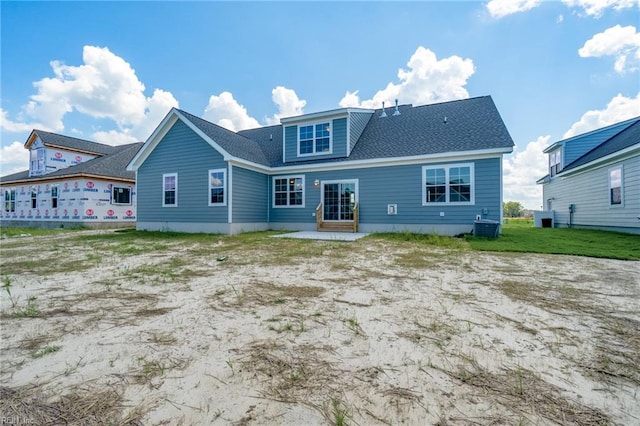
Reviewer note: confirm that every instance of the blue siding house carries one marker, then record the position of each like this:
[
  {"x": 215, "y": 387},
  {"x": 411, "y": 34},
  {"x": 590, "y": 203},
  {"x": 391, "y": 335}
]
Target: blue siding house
[
  {"x": 594, "y": 180},
  {"x": 432, "y": 168}
]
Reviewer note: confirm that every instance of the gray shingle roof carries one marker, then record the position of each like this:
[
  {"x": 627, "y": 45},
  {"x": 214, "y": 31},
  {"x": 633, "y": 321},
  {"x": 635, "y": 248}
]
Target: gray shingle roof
[
  {"x": 74, "y": 143},
  {"x": 628, "y": 137},
  {"x": 234, "y": 143},
  {"x": 471, "y": 125},
  {"x": 113, "y": 165}
]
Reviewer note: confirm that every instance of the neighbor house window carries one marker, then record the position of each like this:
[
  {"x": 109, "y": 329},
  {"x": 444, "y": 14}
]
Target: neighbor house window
[
  {"x": 34, "y": 197},
  {"x": 10, "y": 200},
  {"x": 121, "y": 195},
  {"x": 217, "y": 182},
  {"x": 37, "y": 160},
  {"x": 555, "y": 162},
  {"x": 449, "y": 184},
  {"x": 615, "y": 186},
  {"x": 54, "y": 196},
  {"x": 170, "y": 190},
  {"x": 288, "y": 191},
  {"x": 314, "y": 139}
]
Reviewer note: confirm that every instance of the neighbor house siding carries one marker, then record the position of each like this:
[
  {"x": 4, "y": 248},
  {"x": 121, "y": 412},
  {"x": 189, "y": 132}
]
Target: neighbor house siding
[
  {"x": 573, "y": 149},
  {"x": 357, "y": 122},
  {"x": 250, "y": 195},
  {"x": 589, "y": 191},
  {"x": 183, "y": 152}
]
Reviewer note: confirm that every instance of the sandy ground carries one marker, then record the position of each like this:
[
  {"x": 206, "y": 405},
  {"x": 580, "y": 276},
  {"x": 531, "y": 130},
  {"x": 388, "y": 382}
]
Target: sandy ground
[{"x": 364, "y": 333}]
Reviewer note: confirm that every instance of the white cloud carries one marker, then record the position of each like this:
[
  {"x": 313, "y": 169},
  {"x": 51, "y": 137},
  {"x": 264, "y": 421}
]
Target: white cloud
[
  {"x": 621, "y": 42},
  {"x": 522, "y": 169},
  {"x": 596, "y": 8},
  {"x": 225, "y": 111},
  {"x": 104, "y": 86},
  {"x": 426, "y": 80},
  {"x": 620, "y": 108},
  {"x": 501, "y": 8},
  {"x": 288, "y": 104},
  {"x": 18, "y": 127},
  {"x": 113, "y": 137},
  {"x": 559, "y": 19},
  {"x": 14, "y": 158}
]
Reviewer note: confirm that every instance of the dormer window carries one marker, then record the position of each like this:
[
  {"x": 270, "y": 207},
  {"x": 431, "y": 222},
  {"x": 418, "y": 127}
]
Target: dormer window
[
  {"x": 37, "y": 161},
  {"x": 314, "y": 139},
  {"x": 555, "y": 162}
]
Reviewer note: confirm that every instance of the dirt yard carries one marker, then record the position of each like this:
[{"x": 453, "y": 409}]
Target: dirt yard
[{"x": 104, "y": 327}]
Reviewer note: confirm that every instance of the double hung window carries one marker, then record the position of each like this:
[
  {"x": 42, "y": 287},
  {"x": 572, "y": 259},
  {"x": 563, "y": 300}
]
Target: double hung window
[
  {"x": 217, "y": 183},
  {"x": 616, "y": 196},
  {"x": 10, "y": 200},
  {"x": 170, "y": 190}
]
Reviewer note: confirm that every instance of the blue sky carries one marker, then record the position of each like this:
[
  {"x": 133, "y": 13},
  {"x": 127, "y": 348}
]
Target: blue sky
[{"x": 110, "y": 71}]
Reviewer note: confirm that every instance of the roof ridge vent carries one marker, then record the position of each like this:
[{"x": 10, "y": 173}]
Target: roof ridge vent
[
  {"x": 396, "y": 112},
  {"x": 384, "y": 113}
]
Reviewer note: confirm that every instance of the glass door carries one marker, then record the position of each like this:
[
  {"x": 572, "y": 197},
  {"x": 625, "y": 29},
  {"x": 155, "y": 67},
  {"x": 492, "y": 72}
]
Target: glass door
[{"x": 339, "y": 199}]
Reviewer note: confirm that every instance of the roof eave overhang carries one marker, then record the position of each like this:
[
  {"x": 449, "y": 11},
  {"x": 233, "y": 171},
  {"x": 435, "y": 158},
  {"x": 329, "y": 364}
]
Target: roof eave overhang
[
  {"x": 374, "y": 162},
  {"x": 334, "y": 113}
]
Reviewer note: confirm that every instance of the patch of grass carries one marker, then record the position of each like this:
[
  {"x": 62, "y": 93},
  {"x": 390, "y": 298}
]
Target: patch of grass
[
  {"x": 340, "y": 412},
  {"x": 6, "y": 284},
  {"x": 29, "y": 311},
  {"x": 578, "y": 242},
  {"x": 11, "y": 232},
  {"x": 47, "y": 350}
]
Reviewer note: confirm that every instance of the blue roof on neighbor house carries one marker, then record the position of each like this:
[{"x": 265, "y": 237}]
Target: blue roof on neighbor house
[
  {"x": 624, "y": 139},
  {"x": 456, "y": 126}
]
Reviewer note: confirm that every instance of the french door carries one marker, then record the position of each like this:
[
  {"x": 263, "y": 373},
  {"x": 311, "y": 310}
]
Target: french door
[{"x": 338, "y": 200}]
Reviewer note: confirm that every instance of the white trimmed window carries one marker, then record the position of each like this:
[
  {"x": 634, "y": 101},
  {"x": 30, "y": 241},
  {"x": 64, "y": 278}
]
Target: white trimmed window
[
  {"x": 10, "y": 200},
  {"x": 555, "y": 162},
  {"x": 616, "y": 194},
  {"x": 217, "y": 185},
  {"x": 170, "y": 190},
  {"x": 448, "y": 184},
  {"x": 314, "y": 139},
  {"x": 288, "y": 191},
  {"x": 121, "y": 195}
]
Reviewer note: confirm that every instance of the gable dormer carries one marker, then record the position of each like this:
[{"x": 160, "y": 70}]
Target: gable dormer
[
  {"x": 566, "y": 151},
  {"x": 323, "y": 135},
  {"x": 49, "y": 152}
]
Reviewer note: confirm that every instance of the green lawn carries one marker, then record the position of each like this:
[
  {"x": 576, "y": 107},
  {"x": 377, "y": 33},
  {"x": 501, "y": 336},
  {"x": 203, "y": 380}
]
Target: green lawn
[
  {"x": 521, "y": 236},
  {"x": 518, "y": 235}
]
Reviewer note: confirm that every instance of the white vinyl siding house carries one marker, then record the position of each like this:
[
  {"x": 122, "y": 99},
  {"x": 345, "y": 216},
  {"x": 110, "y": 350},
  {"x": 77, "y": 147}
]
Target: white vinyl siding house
[{"x": 599, "y": 188}]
